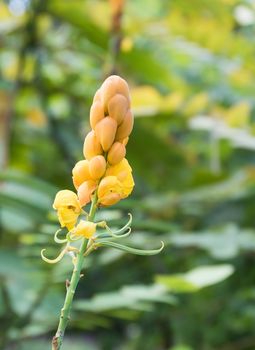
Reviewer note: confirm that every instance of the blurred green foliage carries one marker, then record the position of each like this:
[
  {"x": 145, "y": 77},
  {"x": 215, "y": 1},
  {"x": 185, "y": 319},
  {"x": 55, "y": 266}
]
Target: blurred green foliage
[{"x": 190, "y": 65}]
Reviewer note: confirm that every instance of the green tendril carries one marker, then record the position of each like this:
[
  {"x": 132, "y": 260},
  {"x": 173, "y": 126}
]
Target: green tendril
[
  {"x": 59, "y": 240},
  {"x": 53, "y": 261}
]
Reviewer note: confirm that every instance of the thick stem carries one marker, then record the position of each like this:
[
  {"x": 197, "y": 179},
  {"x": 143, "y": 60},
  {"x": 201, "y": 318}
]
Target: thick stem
[{"x": 65, "y": 311}]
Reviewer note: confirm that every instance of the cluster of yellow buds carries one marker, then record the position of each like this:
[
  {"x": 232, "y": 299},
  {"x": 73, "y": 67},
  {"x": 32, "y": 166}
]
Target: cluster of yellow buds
[
  {"x": 104, "y": 147},
  {"x": 105, "y": 172}
]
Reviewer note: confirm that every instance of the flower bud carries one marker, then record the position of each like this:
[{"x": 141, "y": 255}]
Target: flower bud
[
  {"x": 109, "y": 191},
  {"x": 116, "y": 153},
  {"x": 105, "y": 132},
  {"x": 97, "y": 96},
  {"x": 85, "y": 229},
  {"x": 117, "y": 108},
  {"x": 81, "y": 173},
  {"x": 125, "y": 127},
  {"x": 96, "y": 113},
  {"x": 97, "y": 167},
  {"x": 113, "y": 85},
  {"x": 91, "y": 147},
  {"x": 85, "y": 191}
]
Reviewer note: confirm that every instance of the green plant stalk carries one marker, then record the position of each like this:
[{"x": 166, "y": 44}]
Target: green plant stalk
[{"x": 57, "y": 340}]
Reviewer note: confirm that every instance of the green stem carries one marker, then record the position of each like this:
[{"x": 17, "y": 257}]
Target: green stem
[{"x": 65, "y": 311}]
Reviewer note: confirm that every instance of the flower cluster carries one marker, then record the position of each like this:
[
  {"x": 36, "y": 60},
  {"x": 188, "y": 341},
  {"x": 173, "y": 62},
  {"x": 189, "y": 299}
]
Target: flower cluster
[{"x": 105, "y": 172}]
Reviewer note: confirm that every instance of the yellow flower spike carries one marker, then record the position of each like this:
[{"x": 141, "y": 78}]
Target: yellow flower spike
[
  {"x": 123, "y": 172},
  {"x": 97, "y": 167},
  {"x": 91, "y": 147},
  {"x": 116, "y": 153},
  {"x": 105, "y": 132},
  {"x": 85, "y": 191},
  {"x": 109, "y": 191},
  {"x": 85, "y": 229},
  {"x": 81, "y": 173}
]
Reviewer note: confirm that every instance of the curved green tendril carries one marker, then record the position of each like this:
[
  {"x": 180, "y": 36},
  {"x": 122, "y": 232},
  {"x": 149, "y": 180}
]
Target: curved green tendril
[
  {"x": 59, "y": 240},
  {"x": 71, "y": 239},
  {"x": 130, "y": 249},
  {"x": 113, "y": 234},
  {"x": 118, "y": 233},
  {"x": 53, "y": 261},
  {"x": 128, "y": 224}
]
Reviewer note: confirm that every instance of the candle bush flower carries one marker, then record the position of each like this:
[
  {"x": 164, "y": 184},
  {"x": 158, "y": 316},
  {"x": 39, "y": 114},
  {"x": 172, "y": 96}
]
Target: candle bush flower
[{"x": 103, "y": 178}]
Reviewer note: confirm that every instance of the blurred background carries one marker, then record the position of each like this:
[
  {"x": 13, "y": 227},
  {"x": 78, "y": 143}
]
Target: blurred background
[{"x": 190, "y": 66}]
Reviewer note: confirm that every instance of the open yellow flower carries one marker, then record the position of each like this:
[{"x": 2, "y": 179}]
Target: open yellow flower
[
  {"x": 68, "y": 208},
  {"x": 123, "y": 172}
]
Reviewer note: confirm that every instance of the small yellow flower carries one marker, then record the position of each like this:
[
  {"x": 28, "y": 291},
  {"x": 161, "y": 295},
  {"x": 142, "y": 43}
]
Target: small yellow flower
[
  {"x": 85, "y": 229},
  {"x": 68, "y": 207},
  {"x": 123, "y": 172}
]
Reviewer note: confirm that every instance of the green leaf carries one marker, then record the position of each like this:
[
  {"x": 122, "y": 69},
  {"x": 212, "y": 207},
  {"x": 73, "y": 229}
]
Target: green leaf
[{"x": 196, "y": 279}]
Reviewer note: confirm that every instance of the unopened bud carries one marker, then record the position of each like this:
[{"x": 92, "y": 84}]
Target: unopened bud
[
  {"x": 117, "y": 108},
  {"x": 125, "y": 127},
  {"x": 116, "y": 153},
  {"x": 85, "y": 191},
  {"x": 81, "y": 173},
  {"x": 113, "y": 85},
  {"x": 96, "y": 113},
  {"x": 106, "y": 131},
  {"x": 97, "y": 96},
  {"x": 97, "y": 167},
  {"x": 91, "y": 147}
]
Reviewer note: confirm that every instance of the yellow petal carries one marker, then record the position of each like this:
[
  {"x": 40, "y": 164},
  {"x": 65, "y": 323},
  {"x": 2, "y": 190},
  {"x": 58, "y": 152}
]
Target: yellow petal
[
  {"x": 67, "y": 217},
  {"x": 109, "y": 191},
  {"x": 123, "y": 172}
]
